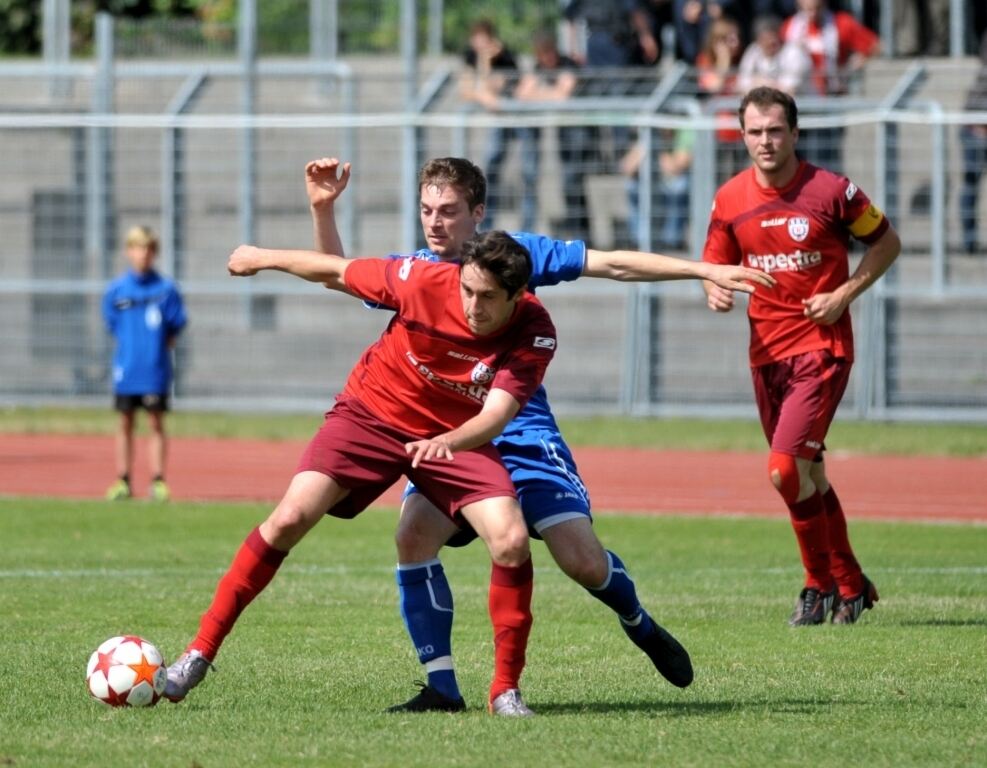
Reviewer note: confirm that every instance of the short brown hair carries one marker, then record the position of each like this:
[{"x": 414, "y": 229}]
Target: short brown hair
[
  {"x": 457, "y": 172},
  {"x": 502, "y": 256},
  {"x": 763, "y": 97}
]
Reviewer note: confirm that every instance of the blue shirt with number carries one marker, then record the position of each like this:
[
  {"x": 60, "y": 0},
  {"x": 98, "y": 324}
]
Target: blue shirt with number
[{"x": 143, "y": 311}]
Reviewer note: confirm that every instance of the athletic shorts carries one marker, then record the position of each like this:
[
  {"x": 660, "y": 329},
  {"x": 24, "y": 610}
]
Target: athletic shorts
[
  {"x": 152, "y": 403},
  {"x": 545, "y": 477},
  {"x": 797, "y": 399},
  {"x": 367, "y": 456}
]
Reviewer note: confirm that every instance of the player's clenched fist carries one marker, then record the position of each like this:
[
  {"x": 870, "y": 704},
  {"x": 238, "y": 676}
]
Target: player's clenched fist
[
  {"x": 719, "y": 299},
  {"x": 243, "y": 261}
]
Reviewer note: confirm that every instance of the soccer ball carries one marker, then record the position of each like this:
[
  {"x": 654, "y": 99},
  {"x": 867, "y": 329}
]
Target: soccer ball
[{"x": 126, "y": 671}]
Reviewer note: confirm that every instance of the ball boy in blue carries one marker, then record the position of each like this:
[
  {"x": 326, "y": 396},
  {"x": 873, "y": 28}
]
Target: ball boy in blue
[
  {"x": 144, "y": 313},
  {"x": 552, "y": 496}
]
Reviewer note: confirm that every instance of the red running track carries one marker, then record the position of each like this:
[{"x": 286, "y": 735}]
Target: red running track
[{"x": 626, "y": 480}]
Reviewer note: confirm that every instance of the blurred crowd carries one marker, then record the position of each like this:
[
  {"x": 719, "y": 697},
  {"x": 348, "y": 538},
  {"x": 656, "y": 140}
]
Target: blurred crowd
[{"x": 809, "y": 48}]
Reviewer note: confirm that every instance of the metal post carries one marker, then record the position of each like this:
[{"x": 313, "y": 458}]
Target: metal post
[
  {"x": 323, "y": 32},
  {"x": 409, "y": 138},
  {"x": 172, "y": 248},
  {"x": 247, "y": 50},
  {"x": 645, "y": 192},
  {"x": 434, "y": 27},
  {"x": 938, "y": 171},
  {"x": 99, "y": 170},
  {"x": 56, "y": 45},
  {"x": 347, "y": 215},
  {"x": 957, "y": 28},
  {"x": 886, "y": 28}
]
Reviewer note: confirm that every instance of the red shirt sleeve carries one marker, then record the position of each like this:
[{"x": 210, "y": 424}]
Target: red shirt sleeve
[
  {"x": 721, "y": 244},
  {"x": 524, "y": 368},
  {"x": 864, "y": 220},
  {"x": 854, "y": 37},
  {"x": 388, "y": 281}
]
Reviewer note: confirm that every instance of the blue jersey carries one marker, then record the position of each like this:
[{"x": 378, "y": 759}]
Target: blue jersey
[
  {"x": 552, "y": 262},
  {"x": 143, "y": 312}
]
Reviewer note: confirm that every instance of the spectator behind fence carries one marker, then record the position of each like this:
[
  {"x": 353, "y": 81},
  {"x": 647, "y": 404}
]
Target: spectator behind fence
[
  {"x": 490, "y": 72},
  {"x": 692, "y": 21},
  {"x": 660, "y": 14},
  {"x": 554, "y": 80},
  {"x": 716, "y": 72},
  {"x": 839, "y": 46},
  {"x": 770, "y": 61},
  {"x": 973, "y": 138},
  {"x": 921, "y": 27},
  {"x": 144, "y": 313},
  {"x": 618, "y": 32},
  {"x": 669, "y": 210}
]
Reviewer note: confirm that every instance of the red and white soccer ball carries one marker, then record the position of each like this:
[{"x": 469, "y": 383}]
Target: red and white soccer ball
[{"x": 126, "y": 671}]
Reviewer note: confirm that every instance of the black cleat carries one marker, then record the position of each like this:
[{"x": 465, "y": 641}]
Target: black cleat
[
  {"x": 848, "y": 611},
  {"x": 668, "y": 656},
  {"x": 812, "y": 607},
  {"x": 429, "y": 700}
]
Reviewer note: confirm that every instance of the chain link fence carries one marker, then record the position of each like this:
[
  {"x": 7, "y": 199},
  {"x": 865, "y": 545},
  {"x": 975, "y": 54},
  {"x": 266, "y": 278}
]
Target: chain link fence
[{"x": 171, "y": 146}]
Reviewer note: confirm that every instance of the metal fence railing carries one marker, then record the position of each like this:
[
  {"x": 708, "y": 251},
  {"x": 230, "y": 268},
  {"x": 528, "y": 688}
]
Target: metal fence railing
[{"x": 169, "y": 145}]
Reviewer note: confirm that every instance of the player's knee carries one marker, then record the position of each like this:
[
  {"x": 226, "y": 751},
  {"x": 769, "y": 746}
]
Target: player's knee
[
  {"x": 784, "y": 474},
  {"x": 289, "y": 522},
  {"x": 413, "y": 544},
  {"x": 509, "y": 546}
]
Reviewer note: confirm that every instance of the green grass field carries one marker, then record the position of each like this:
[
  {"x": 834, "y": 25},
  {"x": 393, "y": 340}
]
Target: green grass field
[{"x": 304, "y": 678}]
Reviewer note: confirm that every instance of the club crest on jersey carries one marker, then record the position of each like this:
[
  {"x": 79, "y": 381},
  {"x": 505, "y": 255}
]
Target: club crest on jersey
[
  {"x": 851, "y": 190},
  {"x": 798, "y": 228},
  {"x": 481, "y": 374}
]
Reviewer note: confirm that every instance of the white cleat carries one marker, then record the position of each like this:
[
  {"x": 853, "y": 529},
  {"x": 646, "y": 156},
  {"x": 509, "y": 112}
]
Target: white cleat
[
  {"x": 186, "y": 673},
  {"x": 510, "y": 704}
]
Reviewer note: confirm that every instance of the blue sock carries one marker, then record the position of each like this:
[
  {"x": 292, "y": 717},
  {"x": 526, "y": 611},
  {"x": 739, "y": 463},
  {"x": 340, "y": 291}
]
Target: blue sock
[
  {"x": 619, "y": 594},
  {"x": 426, "y": 607}
]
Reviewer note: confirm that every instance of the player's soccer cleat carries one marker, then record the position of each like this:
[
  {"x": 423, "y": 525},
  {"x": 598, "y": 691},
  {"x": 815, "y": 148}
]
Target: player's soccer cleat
[
  {"x": 119, "y": 491},
  {"x": 186, "y": 673},
  {"x": 510, "y": 704},
  {"x": 159, "y": 491},
  {"x": 429, "y": 700},
  {"x": 848, "y": 611},
  {"x": 812, "y": 607},
  {"x": 668, "y": 656}
]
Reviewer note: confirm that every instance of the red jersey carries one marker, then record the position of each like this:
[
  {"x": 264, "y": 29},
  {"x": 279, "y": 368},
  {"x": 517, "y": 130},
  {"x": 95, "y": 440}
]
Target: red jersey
[
  {"x": 428, "y": 372},
  {"x": 800, "y": 234}
]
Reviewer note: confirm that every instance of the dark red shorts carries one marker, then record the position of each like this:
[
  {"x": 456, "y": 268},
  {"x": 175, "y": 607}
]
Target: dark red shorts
[
  {"x": 366, "y": 456},
  {"x": 797, "y": 399}
]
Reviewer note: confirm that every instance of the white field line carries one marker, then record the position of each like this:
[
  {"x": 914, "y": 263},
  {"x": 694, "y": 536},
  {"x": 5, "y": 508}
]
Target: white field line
[{"x": 320, "y": 570}]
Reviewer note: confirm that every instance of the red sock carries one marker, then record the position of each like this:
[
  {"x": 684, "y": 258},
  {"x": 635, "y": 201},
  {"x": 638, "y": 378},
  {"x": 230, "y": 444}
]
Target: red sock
[
  {"x": 843, "y": 563},
  {"x": 510, "y": 612},
  {"x": 809, "y": 521},
  {"x": 252, "y": 569}
]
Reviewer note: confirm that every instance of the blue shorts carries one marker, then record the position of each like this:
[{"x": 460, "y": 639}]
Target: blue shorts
[{"x": 545, "y": 477}]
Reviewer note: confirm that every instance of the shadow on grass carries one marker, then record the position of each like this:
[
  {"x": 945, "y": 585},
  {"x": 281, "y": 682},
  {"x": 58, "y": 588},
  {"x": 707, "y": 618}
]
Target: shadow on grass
[{"x": 689, "y": 708}]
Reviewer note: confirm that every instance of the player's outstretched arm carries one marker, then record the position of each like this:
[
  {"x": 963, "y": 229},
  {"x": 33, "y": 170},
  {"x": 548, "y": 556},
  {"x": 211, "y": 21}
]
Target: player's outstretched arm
[
  {"x": 315, "y": 267},
  {"x": 827, "y": 308},
  {"x": 498, "y": 410},
  {"x": 325, "y": 180},
  {"x": 643, "y": 267}
]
